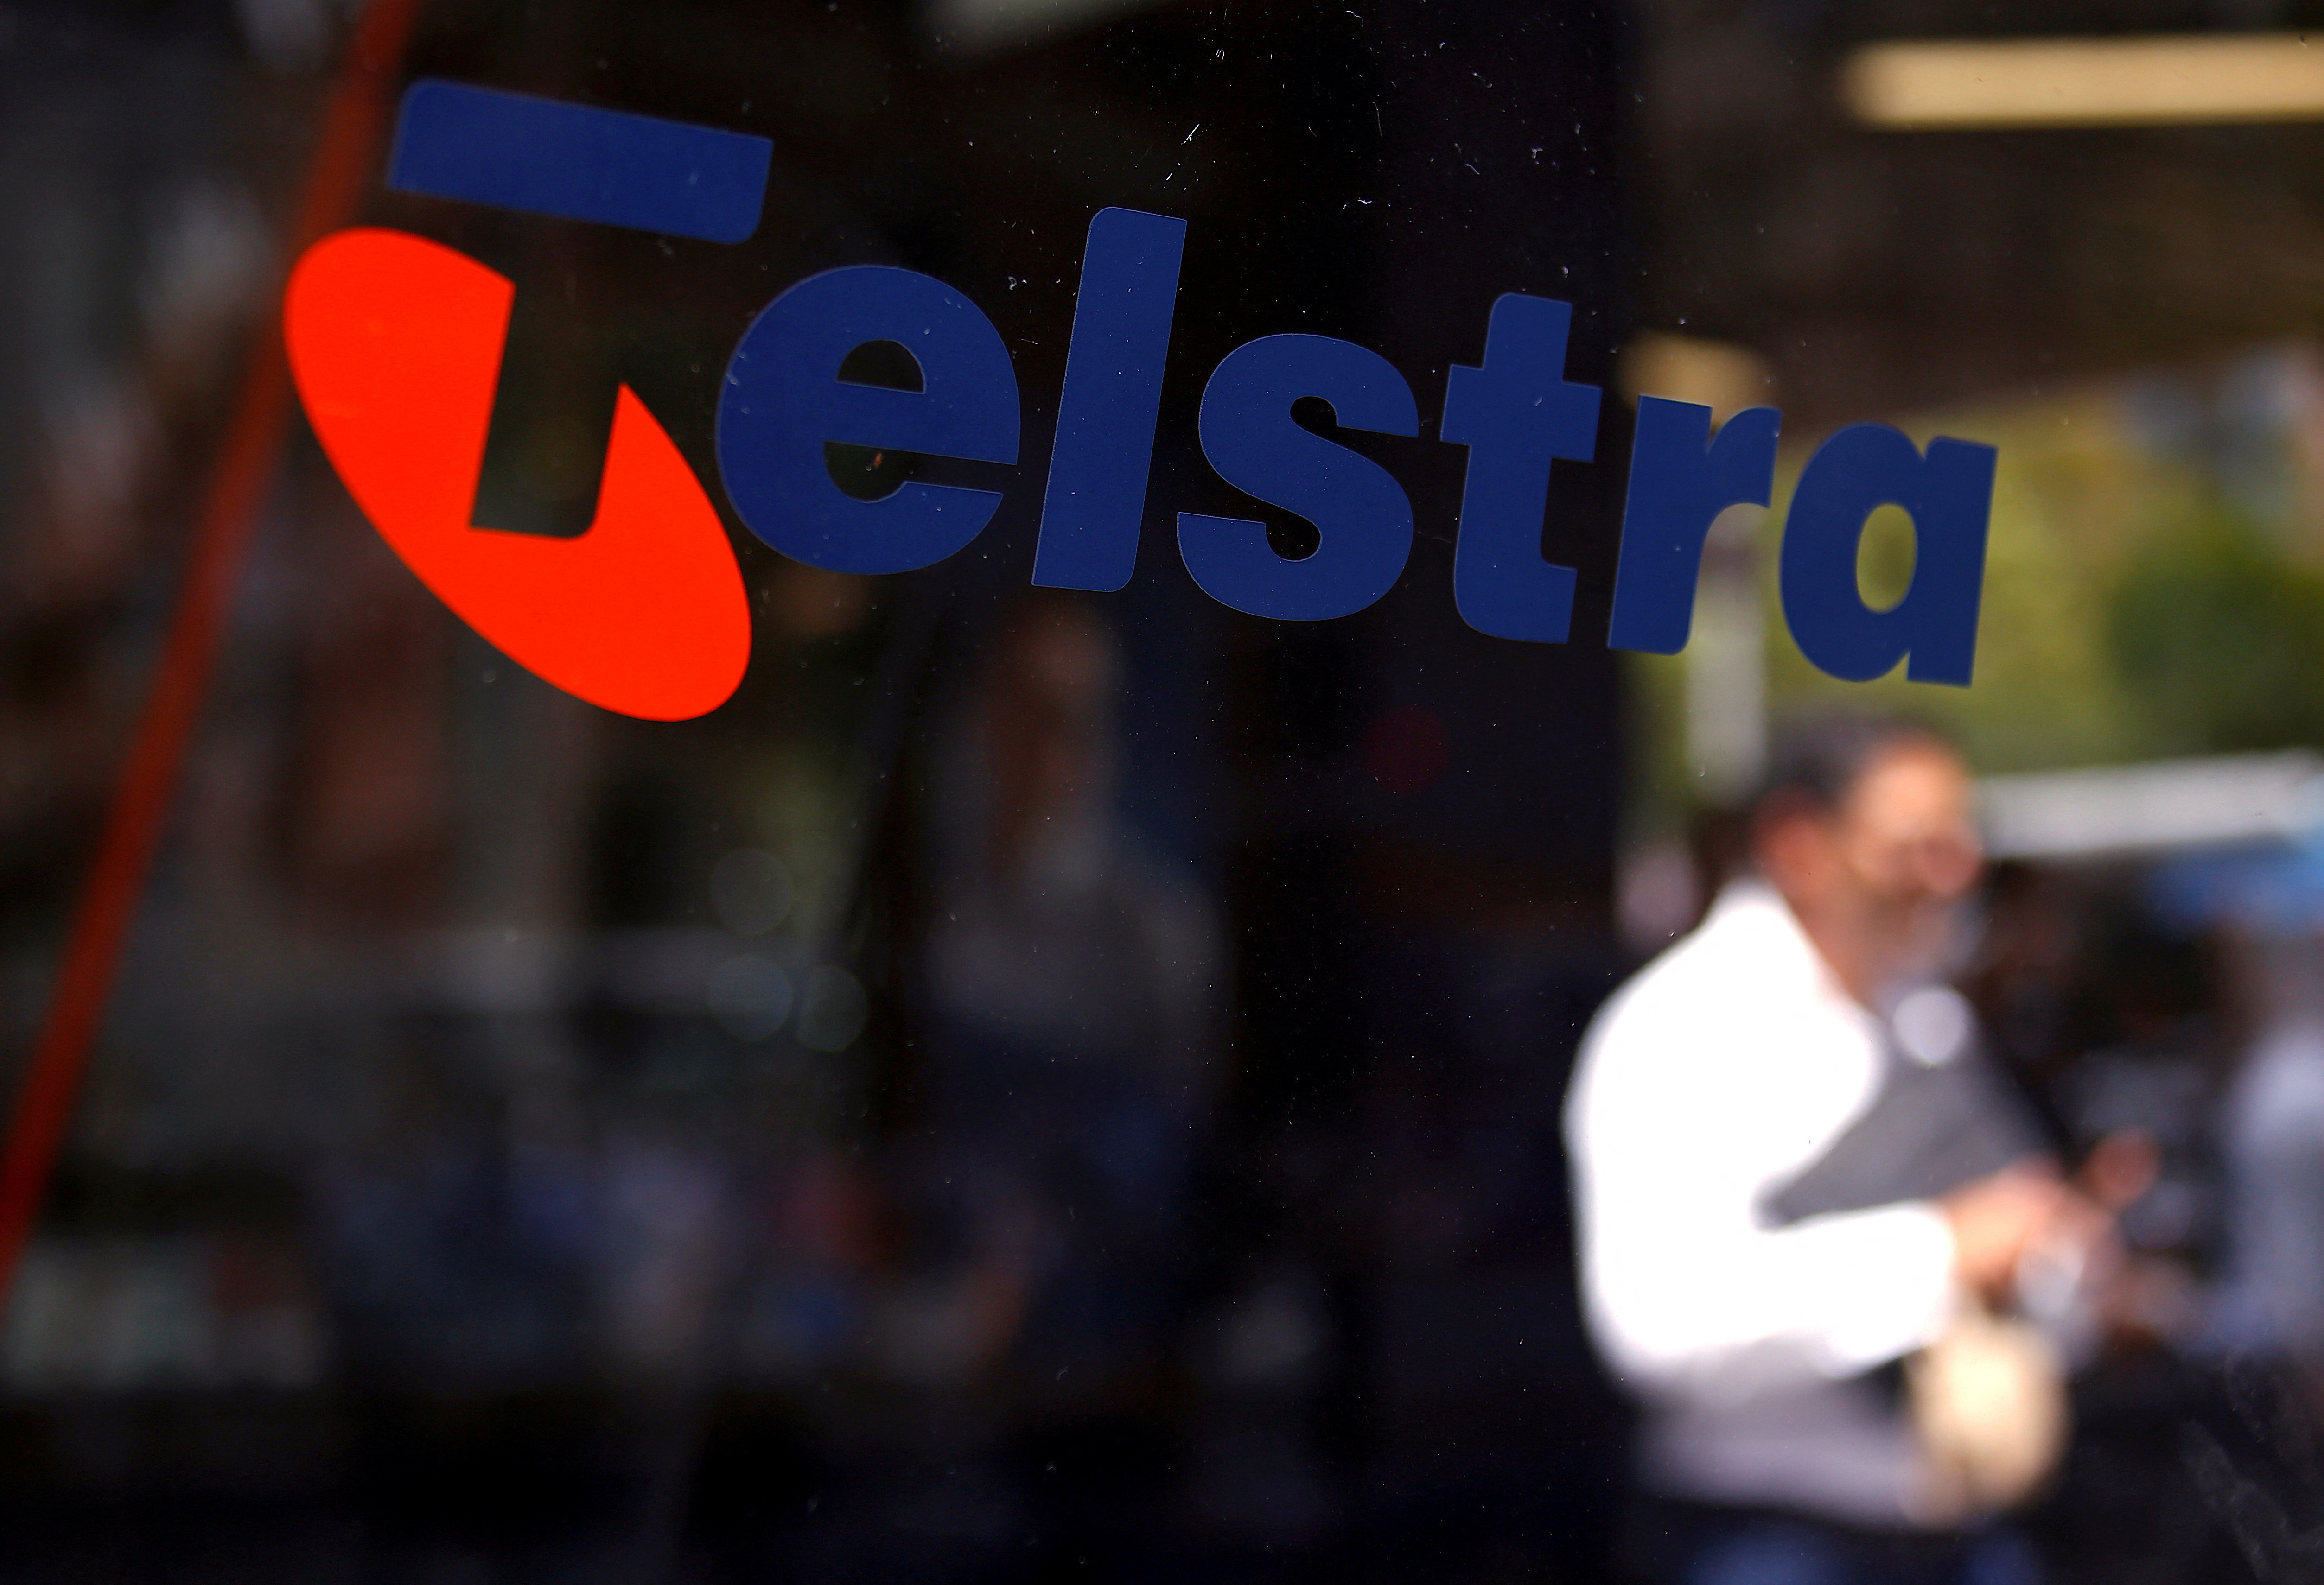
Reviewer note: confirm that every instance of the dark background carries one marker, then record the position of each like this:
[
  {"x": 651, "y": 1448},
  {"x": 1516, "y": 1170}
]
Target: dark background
[{"x": 409, "y": 1081}]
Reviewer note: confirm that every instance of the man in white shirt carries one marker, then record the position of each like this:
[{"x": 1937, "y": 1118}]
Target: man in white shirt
[{"x": 1770, "y": 1213}]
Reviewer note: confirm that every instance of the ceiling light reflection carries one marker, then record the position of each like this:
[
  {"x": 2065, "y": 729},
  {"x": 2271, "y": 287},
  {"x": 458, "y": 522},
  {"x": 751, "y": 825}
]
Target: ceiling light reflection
[{"x": 2155, "y": 80}]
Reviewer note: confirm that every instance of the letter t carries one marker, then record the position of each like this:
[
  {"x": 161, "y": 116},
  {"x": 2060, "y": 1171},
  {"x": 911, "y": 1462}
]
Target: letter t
[{"x": 1516, "y": 414}]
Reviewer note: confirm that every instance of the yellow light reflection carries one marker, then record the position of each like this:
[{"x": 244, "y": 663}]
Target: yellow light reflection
[{"x": 2086, "y": 82}]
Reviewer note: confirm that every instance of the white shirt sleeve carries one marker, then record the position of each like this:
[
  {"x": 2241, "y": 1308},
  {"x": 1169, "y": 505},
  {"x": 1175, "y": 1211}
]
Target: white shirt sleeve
[{"x": 1689, "y": 1107}]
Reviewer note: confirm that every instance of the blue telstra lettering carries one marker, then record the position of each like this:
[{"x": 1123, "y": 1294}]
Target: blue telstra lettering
[
  {"x": 1252, "y": 441},
  {"x": 1516, "y": 415},
  {"x": 578, "y": 162},
  {"x": 1949, "y": 495},
  {"x": 1681, "y": 479},
  {"x": 1111, "y": 401},
  {"x": 783, "y": 400}
]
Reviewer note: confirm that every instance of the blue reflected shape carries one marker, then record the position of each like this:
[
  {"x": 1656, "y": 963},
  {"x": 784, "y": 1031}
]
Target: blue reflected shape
[
  {"x": 1949, "y": 494},
  {"x": 2273, "y": 886},
  {"x": 1517, "y": 414},
  {"x": 783, "y": 400},
  {"x": 1681, "y": 480},
  {"x": 1251, "y": 440},
  {"x": 1112, "y": 399},
  {"x": 578, "y": 162}
]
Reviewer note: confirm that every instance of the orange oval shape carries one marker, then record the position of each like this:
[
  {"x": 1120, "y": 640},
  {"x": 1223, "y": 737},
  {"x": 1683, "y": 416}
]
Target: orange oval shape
[{"x": 395, "y": 344}]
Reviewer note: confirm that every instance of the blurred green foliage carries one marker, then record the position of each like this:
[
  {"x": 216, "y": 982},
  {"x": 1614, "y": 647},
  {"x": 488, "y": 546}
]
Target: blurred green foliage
[{"x": 2220, "y": 637}]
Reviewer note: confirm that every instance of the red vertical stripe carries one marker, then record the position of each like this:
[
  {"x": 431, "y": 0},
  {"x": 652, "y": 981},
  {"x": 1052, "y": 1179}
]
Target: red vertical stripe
[{"x": 342, "y": 168}]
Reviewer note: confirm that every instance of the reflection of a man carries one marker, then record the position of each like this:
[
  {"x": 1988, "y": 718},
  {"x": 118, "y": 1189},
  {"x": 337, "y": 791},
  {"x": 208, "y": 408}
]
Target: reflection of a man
[
  {"x": 1793, "y": 1172},
  {"x": 2271, "y": 1128},
  {"x": 1071, "y": 992}
]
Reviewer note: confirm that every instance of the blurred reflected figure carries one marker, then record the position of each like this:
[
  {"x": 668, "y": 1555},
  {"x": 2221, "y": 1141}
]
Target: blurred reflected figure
[
  {"x": 2273, "y": 1137},
  {"x": 1800, "y": 1191},
  {"x": 1072, "y": 988}
]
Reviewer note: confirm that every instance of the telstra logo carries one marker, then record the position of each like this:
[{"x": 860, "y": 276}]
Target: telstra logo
[{"x": 395, "y": 343}]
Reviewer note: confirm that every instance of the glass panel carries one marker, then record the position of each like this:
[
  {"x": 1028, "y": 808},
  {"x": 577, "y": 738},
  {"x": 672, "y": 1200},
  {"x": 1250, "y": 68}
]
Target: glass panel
[{"x": 842, "y": 791}]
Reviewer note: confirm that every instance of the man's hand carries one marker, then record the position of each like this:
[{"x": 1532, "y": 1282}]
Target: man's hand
[{"x": 1993, "y": 1220}]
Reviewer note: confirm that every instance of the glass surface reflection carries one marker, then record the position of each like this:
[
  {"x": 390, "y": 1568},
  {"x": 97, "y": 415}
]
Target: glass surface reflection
[{"x": 1050, "y": 1082}]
